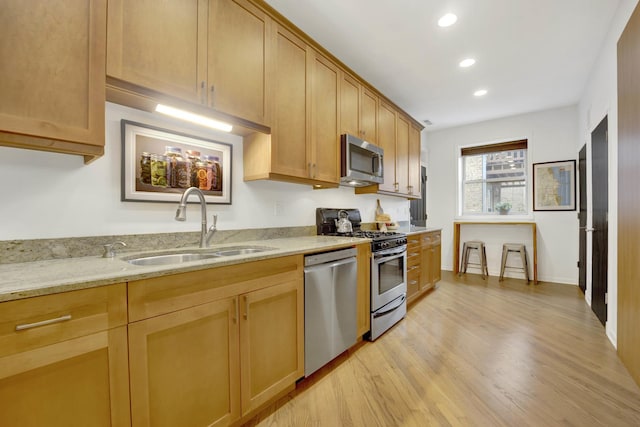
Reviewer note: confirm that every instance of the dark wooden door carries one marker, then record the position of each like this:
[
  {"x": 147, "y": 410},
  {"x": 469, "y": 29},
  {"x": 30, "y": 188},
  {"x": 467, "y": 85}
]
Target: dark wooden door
[
  {"x": 600, "y": 198},
  {"x": 582, "y": 217}
]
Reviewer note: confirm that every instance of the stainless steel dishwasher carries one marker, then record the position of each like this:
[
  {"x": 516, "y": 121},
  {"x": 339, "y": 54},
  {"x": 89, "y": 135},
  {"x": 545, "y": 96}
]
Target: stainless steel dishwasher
[{"x": 330, "y": 310}]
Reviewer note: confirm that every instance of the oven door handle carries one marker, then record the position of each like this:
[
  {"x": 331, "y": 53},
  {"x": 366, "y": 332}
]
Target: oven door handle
[
  {"x": 400, "y": 250},
  {"x": 392, "y": 309},
  {"x": 384, "y": 256}
]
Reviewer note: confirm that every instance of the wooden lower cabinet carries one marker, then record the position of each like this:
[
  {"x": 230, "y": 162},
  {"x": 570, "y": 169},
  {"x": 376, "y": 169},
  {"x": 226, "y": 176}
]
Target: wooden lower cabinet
[
  {"x": 185, "y": 367},
  {"x": 271, "y": 342},
  {"x": 423, "y": 263},
  {"x": 216, "y": 344},
  {"x": 63, "y": 360}
]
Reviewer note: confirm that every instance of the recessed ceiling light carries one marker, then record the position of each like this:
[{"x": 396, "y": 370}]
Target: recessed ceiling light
[
  {"x": 467, "y": 62},
  {"x": 447, "y": 20},
  {"x": 481, "y": 92}
]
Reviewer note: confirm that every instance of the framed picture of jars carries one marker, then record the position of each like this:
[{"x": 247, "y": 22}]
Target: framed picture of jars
[{"x": 159, "y": 164}]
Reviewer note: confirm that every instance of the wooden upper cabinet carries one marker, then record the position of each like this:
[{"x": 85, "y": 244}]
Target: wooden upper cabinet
[
  {"x": 414, "y": 161},
  {"x": 291, "y": 107},
  {"x": 304, "y": 143},
  {"x": 369, "y": 116},
  {"x": 402, "y": 154},
  {"x": 349, "y": 105},
  {"x": 387, "y": 141},
  {"x": 159, "y": 45},
  {"x": 213, "y": 53},
  {"x": 238, "y": 59},
  {"x": 325, "y": 133},
  {"x": 52, "y": 75}
]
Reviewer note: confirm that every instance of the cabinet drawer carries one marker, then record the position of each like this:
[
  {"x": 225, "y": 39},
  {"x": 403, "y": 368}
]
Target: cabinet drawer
[
  {"x": 35, "y": 322},
  {"x": 413, "y": 284},
  {"x": 412, "y": 270},
  {"x": 431, "y": 239},
  {"x": 414, "y": 257},
  {"x": 160, "y": 295},
  {"x": 413, "y": 241}
]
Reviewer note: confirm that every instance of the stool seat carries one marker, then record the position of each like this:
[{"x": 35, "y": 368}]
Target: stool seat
[
  {"x": 482, "y": 254},
  {"x": 519, "y": 248}
]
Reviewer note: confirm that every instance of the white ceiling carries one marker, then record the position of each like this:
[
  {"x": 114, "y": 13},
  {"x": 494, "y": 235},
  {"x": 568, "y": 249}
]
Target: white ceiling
[{"x": 531, "y": 54}]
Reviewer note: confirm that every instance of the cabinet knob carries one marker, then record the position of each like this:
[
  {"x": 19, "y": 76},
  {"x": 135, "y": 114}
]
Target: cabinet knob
[{"x": 203, "y": 93}]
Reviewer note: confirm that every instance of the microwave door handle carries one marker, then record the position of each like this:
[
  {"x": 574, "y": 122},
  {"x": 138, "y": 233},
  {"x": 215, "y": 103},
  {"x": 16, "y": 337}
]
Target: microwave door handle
[{"x": 379, "y": 168}]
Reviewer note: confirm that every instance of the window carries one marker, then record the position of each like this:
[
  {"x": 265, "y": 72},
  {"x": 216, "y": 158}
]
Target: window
[{"x": 493, "y": 174}]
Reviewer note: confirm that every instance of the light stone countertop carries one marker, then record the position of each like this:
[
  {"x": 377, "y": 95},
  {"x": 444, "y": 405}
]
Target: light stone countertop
[
  {"x": 416, "y": 230},
  {"x": 28, "y": 279}
]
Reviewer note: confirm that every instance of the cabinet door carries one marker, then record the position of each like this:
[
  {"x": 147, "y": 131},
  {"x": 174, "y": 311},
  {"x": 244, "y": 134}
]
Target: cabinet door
[
  {"x": 52, "y": 74},
  {"x": 272, "y": 342},
  {"x": 291, "y": 106},
  {"x": 159, "y": 45},
  {"x": 435, "y": 266},
  {"x": 325, "y": 137},
  {"x": 184, "y": 367},
  {"x": 238, "y": 54},
  {"x": 402, "y": 154},
  {"x": 387, "y": 140},
  {"x": 369, "y": 116},
  {"x": 414, "y": 161},
  {"x": 349, "y": 105},
  {"x": 78, "y": 382}
]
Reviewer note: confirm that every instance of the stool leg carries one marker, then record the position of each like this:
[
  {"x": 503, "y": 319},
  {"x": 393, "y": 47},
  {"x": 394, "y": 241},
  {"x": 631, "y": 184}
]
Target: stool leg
[
  {"x": 466, "y": 259},
  {"x": 503, "y": 263},
  {"x": 523, "y": 256},
  {"x": 484, "y": 261},
  {"x": 463, "y": 261}
]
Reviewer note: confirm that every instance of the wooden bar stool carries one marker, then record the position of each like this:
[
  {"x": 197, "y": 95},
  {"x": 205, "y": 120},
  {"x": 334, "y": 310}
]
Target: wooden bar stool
[
  {"x": 482, "y": 255},
  {"x": 522, "y": 250}
]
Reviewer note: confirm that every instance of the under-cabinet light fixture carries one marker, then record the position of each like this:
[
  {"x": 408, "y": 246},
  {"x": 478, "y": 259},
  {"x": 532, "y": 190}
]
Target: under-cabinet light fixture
[
  {"x": 481, "y": 92},
  {"x": 193, "y": 118}
]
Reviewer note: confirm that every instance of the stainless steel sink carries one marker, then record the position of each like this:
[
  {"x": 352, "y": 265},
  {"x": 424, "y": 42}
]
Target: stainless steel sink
[
  {"x": 179, "y": 257},
  {"x": 172, "y": 258},
  {"x": 242, "y": 250}
]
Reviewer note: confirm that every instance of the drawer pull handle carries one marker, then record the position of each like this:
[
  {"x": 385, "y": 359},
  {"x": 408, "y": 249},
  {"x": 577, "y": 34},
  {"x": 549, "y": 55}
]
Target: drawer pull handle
[
  {"x": 43, "y": 323},
  {"x": 413, "y": 282}
]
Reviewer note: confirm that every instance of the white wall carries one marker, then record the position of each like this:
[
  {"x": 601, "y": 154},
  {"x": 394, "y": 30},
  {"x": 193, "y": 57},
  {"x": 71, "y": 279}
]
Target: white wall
[
  {"x": 551, "y": 136},
  {"x": 48, "y": 195},
  {"x": 600, "y": 99}
]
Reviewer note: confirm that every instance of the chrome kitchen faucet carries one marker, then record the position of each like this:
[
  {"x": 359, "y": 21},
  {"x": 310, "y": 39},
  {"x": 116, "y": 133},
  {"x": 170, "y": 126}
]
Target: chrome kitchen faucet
[{"x": 181, "y": 215}]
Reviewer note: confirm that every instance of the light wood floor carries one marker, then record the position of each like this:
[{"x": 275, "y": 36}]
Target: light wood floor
[{"x": 474, "y": 353}]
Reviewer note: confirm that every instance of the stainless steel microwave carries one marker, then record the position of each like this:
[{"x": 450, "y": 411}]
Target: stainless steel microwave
[{"x": 361, "y": 162}]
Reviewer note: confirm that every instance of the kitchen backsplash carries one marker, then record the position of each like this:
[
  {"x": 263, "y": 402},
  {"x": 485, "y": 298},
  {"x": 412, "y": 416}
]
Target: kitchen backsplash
[{"x": 14, "y": 251}]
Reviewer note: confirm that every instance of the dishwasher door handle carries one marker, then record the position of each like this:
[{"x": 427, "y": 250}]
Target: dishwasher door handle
[{"x": 329, "y": 265}]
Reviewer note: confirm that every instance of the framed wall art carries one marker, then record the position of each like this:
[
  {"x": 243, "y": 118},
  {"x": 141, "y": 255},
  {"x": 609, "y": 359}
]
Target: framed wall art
[
  {"x": 554, "y": 186},
  {"x": 159, "y": 164}
]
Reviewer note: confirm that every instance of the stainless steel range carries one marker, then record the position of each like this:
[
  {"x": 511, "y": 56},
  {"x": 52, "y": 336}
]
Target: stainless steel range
[{"x": 388, "y": 267}]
